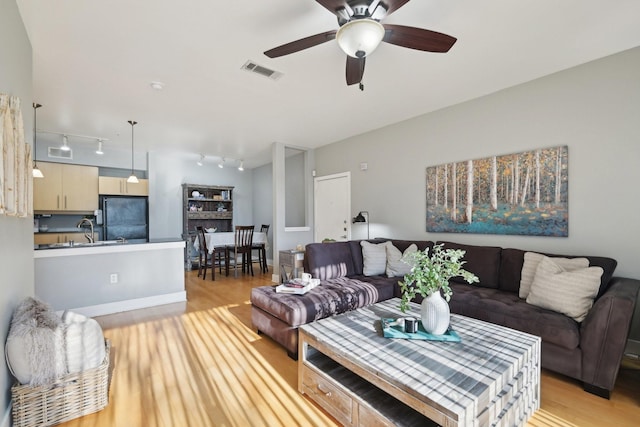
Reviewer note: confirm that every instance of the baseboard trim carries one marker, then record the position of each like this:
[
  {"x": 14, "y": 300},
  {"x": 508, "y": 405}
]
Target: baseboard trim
[
  {"x": 6, "y": 419},
  {"x": 132, "y": 304}
]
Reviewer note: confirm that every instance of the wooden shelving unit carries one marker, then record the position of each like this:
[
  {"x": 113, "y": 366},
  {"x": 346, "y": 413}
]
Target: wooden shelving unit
[
  {"x": 209, "y": 206},
  {"x": 212, "y": 208}
]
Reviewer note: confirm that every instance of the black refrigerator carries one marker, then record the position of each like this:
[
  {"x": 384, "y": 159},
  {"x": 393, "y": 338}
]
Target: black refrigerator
[{"x": 126, "y": 217}]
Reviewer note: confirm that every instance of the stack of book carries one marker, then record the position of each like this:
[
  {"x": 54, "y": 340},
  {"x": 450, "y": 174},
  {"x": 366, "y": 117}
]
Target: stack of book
[{"x": 297, "y": 286}]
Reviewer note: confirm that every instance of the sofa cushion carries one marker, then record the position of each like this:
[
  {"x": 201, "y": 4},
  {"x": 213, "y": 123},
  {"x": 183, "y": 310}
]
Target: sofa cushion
[
  {"x": 375, "y": 258},
  {"x": 483, "y": 261},
  {"x": 397, "y": 262},
  {"x": 507, "y": 309},
  {"x": 567, "y": 292},
  {"x": 329, "y": 260},
  {"x": 531, "y": 262},
  {"x": 511, "y": 261},
  {"x": 332, "y": 296}
]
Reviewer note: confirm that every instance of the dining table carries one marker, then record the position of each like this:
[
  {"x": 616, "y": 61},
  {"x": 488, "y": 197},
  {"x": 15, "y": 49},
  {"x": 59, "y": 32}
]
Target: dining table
[{"x": 226, "y": 238}]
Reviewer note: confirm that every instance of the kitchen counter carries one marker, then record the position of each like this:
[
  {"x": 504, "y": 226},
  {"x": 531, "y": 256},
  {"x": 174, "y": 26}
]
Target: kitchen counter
[
  {"x": 108, "y": 278},
  {"x": 102, "y": 247}
]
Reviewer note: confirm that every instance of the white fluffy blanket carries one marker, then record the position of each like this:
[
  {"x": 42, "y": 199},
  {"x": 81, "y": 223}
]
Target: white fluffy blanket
[{"x": 35, "y": 346}]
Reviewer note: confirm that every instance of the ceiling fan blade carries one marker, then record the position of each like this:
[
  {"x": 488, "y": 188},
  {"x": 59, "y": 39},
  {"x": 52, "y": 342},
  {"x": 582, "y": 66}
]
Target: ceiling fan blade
[
  {"x": 334, "y": 6},
  {"x": 418, "y": 38},
  {"x": 355, "y": 70},
  {"x": 301, "y": 44},
  {"x": 393, "y": 5}
]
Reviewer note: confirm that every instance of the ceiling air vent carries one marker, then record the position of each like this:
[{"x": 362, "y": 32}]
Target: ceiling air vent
[
  {"x": 263, "y": 71},
  {"x": 60, "y": 154}
]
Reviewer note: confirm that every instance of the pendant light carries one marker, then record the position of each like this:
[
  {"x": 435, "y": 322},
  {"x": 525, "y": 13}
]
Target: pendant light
[
  {"x": 241, "y": 167},
  {"x": 37, "y": 173},
  {"x": 133, "y": 178}
]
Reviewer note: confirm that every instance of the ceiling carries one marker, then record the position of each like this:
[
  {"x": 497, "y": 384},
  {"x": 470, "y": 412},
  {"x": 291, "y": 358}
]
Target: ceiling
[{"x": 94, "y": 60}]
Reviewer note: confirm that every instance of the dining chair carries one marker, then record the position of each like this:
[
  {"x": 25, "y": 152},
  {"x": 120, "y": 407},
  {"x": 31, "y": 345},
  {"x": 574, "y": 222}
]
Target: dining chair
[
  {"x": 210, "y": 260},
  {"x": 242, "y": 249},
  {"x": 261, "y": 249},
  {"x": 203, "y": 255}
]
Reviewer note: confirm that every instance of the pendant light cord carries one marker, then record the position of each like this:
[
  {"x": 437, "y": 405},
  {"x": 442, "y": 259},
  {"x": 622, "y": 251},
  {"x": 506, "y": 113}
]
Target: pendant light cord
[
  {"x": 35, "y": 144},
  {"x": 132, "y": 123}
]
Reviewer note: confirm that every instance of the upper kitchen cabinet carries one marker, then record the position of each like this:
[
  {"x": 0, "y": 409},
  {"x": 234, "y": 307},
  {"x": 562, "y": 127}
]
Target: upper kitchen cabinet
[
  {"x": 110, "y": 185},
  {"x": 66, "y": 188}
]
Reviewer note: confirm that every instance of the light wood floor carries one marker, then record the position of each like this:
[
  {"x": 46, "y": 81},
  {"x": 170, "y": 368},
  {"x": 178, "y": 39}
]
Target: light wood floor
[{"x": 200, "y": 363}]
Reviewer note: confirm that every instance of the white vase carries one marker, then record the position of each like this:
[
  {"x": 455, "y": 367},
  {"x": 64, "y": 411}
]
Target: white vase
[{"x": 435, "y": 314}]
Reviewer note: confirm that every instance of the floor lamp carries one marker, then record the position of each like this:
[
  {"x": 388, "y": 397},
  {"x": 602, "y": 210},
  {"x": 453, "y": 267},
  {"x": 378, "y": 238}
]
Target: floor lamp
[{"x": 361, "y": 218}]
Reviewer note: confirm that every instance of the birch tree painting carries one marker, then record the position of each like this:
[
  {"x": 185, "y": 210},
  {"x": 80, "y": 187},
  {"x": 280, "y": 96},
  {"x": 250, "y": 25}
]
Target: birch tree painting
[{"x": 524, "y": 193}]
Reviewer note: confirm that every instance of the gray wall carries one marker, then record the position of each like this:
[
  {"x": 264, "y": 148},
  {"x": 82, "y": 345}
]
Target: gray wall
[
  {"x": 167, "y": 173},
  {"x": 16, "y": 235},
  {"x": 263, "y": 201},
  {"x": 593, "y": 108},
  {"x": 295, "y": 206}
]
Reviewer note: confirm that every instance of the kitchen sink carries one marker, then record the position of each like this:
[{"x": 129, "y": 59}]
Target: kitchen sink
[{"x": 82, "y": 244}]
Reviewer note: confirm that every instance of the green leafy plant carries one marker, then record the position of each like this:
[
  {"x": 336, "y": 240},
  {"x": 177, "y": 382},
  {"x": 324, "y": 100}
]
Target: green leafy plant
[{"x": 431, "y": 273}]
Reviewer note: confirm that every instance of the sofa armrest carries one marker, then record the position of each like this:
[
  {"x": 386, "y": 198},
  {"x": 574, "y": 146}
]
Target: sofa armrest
[{"x": 603, "y": 334}]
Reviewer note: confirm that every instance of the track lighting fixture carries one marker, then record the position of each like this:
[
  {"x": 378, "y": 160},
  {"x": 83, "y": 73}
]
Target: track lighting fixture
[
  {"x": 133, "y": 179},
  {"x": 99, "y": 150},
  {"x": 65, "y": 143}
]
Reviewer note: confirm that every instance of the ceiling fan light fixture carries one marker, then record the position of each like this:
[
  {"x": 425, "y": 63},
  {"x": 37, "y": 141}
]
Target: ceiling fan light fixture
[{"x": 360, "y": 37}]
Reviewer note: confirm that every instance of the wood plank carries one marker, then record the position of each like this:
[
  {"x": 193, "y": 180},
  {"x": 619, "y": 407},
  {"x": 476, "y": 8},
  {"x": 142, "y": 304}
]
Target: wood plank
[{"x": 201, "y": 363}]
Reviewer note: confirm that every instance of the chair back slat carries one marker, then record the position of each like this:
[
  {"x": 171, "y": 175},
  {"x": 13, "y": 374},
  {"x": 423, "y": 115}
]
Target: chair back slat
[{"x": 244, "y": 236}]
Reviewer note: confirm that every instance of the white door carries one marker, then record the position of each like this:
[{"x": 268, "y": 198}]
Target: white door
[{"x": 332, "y": 207}]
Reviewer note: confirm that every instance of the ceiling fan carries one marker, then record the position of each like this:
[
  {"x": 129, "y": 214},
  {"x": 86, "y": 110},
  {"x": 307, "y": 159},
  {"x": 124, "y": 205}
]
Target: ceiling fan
[{"x": 361, "y": 32}]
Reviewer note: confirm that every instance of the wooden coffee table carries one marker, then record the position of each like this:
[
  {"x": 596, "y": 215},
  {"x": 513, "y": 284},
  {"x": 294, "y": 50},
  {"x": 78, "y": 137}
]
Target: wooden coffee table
[{"x": 491, "y": 377}]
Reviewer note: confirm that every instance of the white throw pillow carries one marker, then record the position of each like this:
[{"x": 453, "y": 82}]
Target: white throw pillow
[
  {"x": 397, "y": 265},
  {"x": 374, "y": 258},
  {"x": 84, "y": 342},
  {"x": 568, "y": 292},
  {"x": 531, "y": 262}
]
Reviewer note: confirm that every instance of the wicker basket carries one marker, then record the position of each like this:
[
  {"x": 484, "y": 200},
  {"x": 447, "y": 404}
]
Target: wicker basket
[{"x": 71, "y": 396}]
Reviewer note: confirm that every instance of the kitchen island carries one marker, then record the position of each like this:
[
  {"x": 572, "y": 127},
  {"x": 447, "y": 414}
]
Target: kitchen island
[{"x": 110, "y": 277}]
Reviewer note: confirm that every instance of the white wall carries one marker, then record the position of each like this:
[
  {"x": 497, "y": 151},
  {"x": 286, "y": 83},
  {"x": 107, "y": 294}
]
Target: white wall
[
  {"x": 167, "y": 173},
  {"x": 16, "y": 235},
  {"x": 593, "y": 108}
]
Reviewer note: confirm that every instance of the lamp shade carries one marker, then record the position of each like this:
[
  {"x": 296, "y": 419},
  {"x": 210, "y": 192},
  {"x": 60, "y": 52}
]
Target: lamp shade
[{"x": 360, "y": 37}]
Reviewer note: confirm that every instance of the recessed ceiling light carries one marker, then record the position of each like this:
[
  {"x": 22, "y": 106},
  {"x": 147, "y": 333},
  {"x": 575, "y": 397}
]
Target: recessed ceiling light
[{"x": 157, "y": 85}]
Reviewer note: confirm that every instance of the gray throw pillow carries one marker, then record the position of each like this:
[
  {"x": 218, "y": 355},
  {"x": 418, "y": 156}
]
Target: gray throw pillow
[{"x": 374, "y": 258}]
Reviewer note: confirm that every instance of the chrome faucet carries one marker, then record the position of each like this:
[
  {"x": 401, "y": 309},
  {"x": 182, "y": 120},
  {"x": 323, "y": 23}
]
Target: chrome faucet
[{"x": 87, "y": 235}]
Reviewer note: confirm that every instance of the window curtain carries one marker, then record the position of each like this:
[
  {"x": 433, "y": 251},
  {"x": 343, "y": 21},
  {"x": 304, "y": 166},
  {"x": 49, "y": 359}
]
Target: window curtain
[{"x": 16, "y": 182}]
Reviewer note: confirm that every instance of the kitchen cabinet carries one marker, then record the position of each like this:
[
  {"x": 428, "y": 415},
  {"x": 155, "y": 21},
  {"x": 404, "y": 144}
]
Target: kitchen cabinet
[
  {"x": 110, "y": 185},
  {"x": 51, "y": 238},
  {"x": 66, "y": 188}
]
